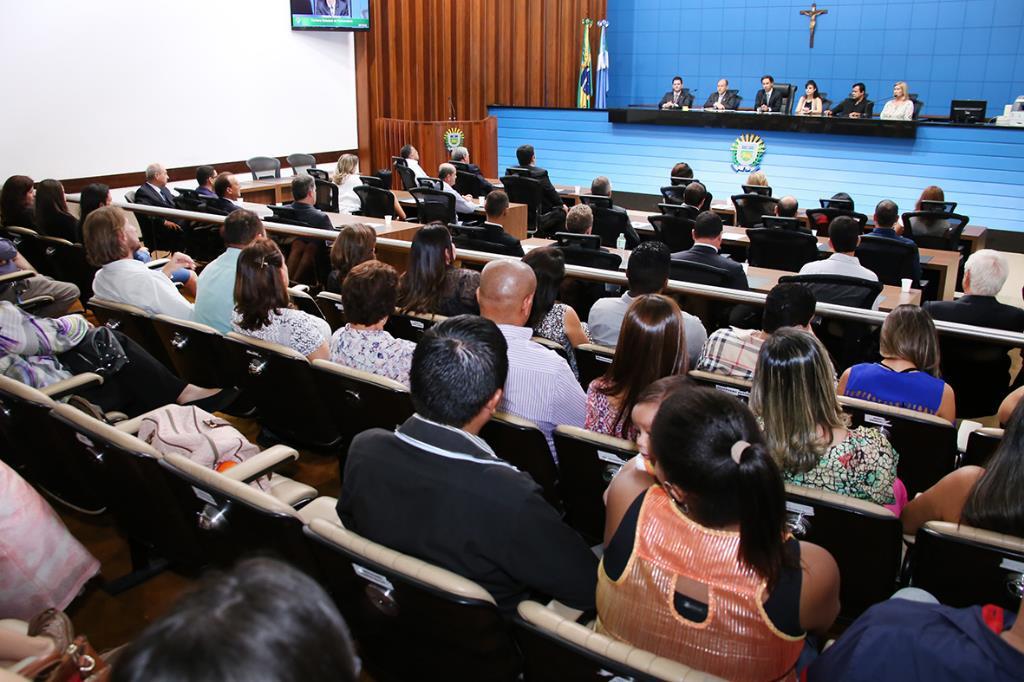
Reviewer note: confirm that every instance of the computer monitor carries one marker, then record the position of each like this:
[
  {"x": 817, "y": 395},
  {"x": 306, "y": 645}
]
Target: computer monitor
[
  {"x": 757, "y": 189},
  {"x": 967, "y": 110},
  {"x": 582, "y": 241},
  {"x": 938, "y": 206},
  {"x": 840, "y": 204}
]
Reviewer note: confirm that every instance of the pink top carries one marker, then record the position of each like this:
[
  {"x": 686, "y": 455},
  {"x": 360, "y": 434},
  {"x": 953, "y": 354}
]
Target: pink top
[{"x": 602, "y": 414}]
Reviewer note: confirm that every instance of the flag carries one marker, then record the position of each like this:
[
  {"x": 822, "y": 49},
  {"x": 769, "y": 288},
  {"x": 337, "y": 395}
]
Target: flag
[
  {"x": 583, "y": 96},
  {"x": 601, "y": 85}
]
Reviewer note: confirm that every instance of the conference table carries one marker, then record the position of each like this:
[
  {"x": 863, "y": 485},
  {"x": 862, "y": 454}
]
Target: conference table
[{"x": 764, "y": 279}]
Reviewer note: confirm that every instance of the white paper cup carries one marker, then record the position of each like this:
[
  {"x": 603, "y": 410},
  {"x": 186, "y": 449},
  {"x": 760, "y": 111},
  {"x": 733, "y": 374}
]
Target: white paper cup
[
  {"x": 387, "y": 223},
  {"x": 905, "y": 285},
  {"x": 576, "y": 190},
  {"x": 483, "y": 200}
]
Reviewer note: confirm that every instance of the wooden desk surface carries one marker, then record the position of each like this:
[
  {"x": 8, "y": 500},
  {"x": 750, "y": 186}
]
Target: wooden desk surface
[{"x": 764, "y": 279}]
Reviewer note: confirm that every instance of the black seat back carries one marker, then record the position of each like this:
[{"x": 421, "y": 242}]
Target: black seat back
[
  {"x": 675, "y": 231},
  {"x": 522, "y": 444},
  {"x": 592, "y": 361},
  {"x": 949, "y": 240},
  {"x": 430, "y": 183},
  {"x": 596, "y": 200},
  {"x": 469, "y": 183},
  {"x": 406, "y": 176},
  {"x": 978, "y": 372},
  {"x": 332, "y": 308},
  {"x": 476, "y": 238},
  {"x": 781, "y": 249},
  {"x": 410, "y": 326},
  {"x": 981, "y": 445},
  {"x": 609, "y": 224},
  {"x": 697, "y": 273},
  {"x": 373, "y": 181},
  {"x": 673, "y": 194},
  {"x": 196, "y": 351},
  {"x": 361, "y": 401},
  {"x": 734, "y": 386},
  {"x": 134, "y": 323},
  {"x": 762, "y": 190},
  {"x": 891, "y": 260},
  {"x": 849, "y": 291},
  {"x": 375, "y": 202},
  {"x": 326, "y": 196},
  {"x": 524, "y": 190},
  {"x": 591, "y": 258},
  {"x": 819, "y": 219},
  {"x": 750, "y": 208},
  {"x": 433, "y": 205}
]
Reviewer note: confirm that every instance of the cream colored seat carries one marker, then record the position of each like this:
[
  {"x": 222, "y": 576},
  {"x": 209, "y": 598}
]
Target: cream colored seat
[
  {"x": 557, "y": 648},
  {"x": 332, "y": 308},
  {"x": 412, "y": 619},
  {"x": 734, "y": 386}
]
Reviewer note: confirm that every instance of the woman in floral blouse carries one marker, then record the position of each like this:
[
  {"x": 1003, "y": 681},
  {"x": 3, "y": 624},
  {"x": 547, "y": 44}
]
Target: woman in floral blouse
[
  {"x": 368, "y": 295},
  {"x": 794, "y": 394}
]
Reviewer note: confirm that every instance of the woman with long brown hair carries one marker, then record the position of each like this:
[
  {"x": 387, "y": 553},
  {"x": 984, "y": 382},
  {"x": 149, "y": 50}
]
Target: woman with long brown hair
[
  {"x": 355, "y": 244},
  {"x": 652, "y": 345},
  {"x": 432, "y": 284},
  {"x": 17, "y": 199},
  {"x": 928, "y": 227},
  {"x": 52, "y": 215}
]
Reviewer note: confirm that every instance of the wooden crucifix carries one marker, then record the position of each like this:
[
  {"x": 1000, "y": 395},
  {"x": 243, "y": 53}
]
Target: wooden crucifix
[{"x": 813, "y": 13}]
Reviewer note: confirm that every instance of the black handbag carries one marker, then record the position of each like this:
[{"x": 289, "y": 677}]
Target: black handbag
[{"x": 99, "y": 352}]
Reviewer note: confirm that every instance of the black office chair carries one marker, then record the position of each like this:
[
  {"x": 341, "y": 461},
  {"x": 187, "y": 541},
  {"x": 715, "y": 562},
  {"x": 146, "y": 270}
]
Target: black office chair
[
  {"x": 373, "y": 181},
  {"x": 521, "y": 171},
  {"x": 406, "y": 175},
  {"x": 585, "y": 250},
  {"x": 788, "y": 91},
  {"x": 430, "y": 183},
  {"x": 681, "y": 182},
  {"x": 918, "y": 106},
  {"x": 680, "y": 210},
  {"x": 475, "y": 238},
  {"x": 326, "y": 196},
  {"x": 469, "y": 183},
  {"x": 301, "y": 163},
  {"x": 781, "y": 249},
  {"x": 891, "y": 260},
  {"x": 264, "y": 167},
  {"x": 521, "y": 443},
  {"x": 697, "y": 273},
  {"x": 777, "y": 222},
  {"x": 949, "y": 240},
  {"x": 852, "y": 292},
  {"x": 819, "y": 219},
  {"x": 757, "y": 189},
  {"x": 525, "y": 190},
  {"x": 318, "y": 174},
  {"x": 750, "y": 208},
  {"x": 596, "y": 200},
  {"x": 675, "y": 231},
  {"x": 673, "y": 194},
  {"x": 609, "y": 224},
  {"x": 433, "y": 205},
  {"x": 842, "y": 204},
  {"x": 375, "y": 202},
  {"x": 978, "y": 372},
  {"x": 288, "y": 216}
]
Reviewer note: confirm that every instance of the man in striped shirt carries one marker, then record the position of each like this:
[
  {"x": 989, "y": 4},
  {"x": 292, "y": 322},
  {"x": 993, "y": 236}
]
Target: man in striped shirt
[{"x": 540, "y": 386}]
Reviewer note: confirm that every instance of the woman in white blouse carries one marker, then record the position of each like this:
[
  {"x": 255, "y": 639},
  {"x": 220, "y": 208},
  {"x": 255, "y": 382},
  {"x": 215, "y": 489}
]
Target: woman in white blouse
[
  {"x": 263, "y": 309},
  {"x": 347, "y": 179},
  {"x": 900, "y": 107}
]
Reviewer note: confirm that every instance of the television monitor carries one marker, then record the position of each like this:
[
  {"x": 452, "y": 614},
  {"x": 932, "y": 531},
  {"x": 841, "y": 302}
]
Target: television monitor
[
  {"x": 330, "y": 15},
  {"x": 967, "y": 110}
]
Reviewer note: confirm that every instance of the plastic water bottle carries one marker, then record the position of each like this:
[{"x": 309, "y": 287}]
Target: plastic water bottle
[{"x": 620, "y": 242}]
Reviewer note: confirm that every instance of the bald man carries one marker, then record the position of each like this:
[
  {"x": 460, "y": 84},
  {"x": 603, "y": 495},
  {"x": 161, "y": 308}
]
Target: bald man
[
  {"x": 721, "y": 99},
  {"x": 540, "y": 386}
]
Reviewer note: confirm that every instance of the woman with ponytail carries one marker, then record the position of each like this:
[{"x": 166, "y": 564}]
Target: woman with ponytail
[{"x": 701, "y": 569}]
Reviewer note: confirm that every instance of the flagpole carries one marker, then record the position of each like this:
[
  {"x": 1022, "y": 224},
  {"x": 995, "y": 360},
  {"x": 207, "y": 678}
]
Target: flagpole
[
  {"x": 601, "y": 83},
  {"x": 583, "y": 84}
]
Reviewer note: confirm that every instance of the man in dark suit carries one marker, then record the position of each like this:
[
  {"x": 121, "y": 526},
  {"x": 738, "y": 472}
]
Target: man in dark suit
[
  {"x": 767, "y": 98},
  {"x": 204, "y": 178},
  {"x": 333, "y": 8},
  {"x": 676, "y": 98},
  {"x": 551, "y": 207},
  {"x": 304, "y": 249},
  {"x": 722, "y": 99},
  {"x": 707, "y": 242},
  {"x": 226, "y": 193},
  {"x": 854, "y": 106},
  {"x": 154, "y": 192},
  {"x": 602, "y": 187},
  {"x": 886, "y": 215},
  {"x": 496, "y": 207},
  {"x": 461, "y": 155}
]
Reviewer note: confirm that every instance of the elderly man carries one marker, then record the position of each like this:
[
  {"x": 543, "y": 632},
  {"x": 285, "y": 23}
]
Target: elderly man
[
  {"x": 461, "y": 155},
  {"x": 722, "y": 99},
  {"x": 412, "y": 159},
  {"x": 154, "y": 192},
  {"x": 540, "y": 387},
  {"x": 463, "y": 207}
]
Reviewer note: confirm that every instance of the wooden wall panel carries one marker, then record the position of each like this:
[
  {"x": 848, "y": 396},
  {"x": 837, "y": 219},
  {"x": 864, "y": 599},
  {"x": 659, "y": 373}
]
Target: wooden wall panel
[{"x": 420, "y": 53}]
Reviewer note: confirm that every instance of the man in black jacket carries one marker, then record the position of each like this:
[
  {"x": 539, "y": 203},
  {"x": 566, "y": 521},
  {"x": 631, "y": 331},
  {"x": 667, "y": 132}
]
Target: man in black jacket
[
  {"x": 226, "y": 193},
  {"x": 496, "y": 207},
  {"x": 677, "y": 97},
  {"x": 154, "y": 192},
  {"x": 768, "y": 99},
  {"x": 461, "y": 155},
  {"x": 707, "y": 241},
  {"x": 856, "y": 105},
  {"x": 551, "y": 207},
  {"x": 435, "y": 490},
  {"x": 721, "y": 99}
]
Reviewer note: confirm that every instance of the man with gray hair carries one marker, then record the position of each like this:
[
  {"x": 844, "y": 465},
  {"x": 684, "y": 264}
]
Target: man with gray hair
[
  {"x": 463, "y": 207},
  {"x": 461, "y": 155},
  {"x": 154, "y": 192}
]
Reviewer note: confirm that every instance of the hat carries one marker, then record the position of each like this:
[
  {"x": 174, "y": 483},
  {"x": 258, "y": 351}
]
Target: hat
[{"x": 8, "y": 252}]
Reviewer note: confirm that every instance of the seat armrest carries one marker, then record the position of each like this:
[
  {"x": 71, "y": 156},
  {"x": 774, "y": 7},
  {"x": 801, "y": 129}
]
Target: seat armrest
[
  {"x": 564, "y": 611},
  {"x": 261, "y": 464},
  {"x": 16, "y": 276},
  {"x": 304, "y": 288},
  {"x": 68, "y": 386},
  {"x": 157, "y": 263}
]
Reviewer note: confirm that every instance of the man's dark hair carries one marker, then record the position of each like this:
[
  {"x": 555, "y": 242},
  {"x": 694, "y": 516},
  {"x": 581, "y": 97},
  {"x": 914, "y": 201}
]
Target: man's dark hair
[
  {"x": 770, "y": 79},
  {"x": 886, "y": 213},
  {"x": 694, "y": 194},
  {"x": 221, "y": 184},
  {"x": 677, "y": 78},
  {"x": 457, "y": 366},
  {"x": 525, "y": 154},
  {"x": 601, "y": 186},
  {"x": 862, "y": 87},
  {"x": 647, "y": 270},
  {"x": 787, "y": 207},
  {"x": 496, "y": 203},
  {"x": 302, "y": 185},
  {"x": 204, "y": 173},
  {"x": 405, "y": 151},
  {"x": 241, "y": 227},
  {"x": 844, "y": 232},
  {"x": 682, "y": 170},
  {"x": 787, "y": 305},
  {"x": 708, "y": 225}
]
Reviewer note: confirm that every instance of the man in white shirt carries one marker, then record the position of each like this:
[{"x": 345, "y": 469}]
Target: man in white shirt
[
  {"x": 412, "y": 159},
  {"x": 110, "y": 240},
  {"x": 843, "y": 237},
  {"x": 463, "y": 207},
  {"x": 215, "y": 295}
]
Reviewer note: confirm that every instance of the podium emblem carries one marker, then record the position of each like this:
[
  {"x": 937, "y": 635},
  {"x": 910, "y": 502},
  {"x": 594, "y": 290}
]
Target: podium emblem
[
  {"x": 747, "y": 151},
  {"x": 453, "y": 137}
]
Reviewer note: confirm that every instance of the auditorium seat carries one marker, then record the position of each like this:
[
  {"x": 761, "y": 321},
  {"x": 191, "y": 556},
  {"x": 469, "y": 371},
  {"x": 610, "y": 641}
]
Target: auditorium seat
[
  {"x": 196, "y": 351},
  {"x": 781, "y": 249},
  {"x": 673, "y": 194},
  {"x": 300, "y": 163},
  {"x": 475, "y": 238},
  {"x": 964, "y": 566},
  {"x": 525, "y": 190},
  {"x": 280, "y": 383},
  {"x": 698, "y": 273},
  {"x": 331, "y": 307},
  {"x": 133, "y": 322},
  {"x": 926, "y": 444},
  {"x": 412, "y": 619},
  {"x": 891, "y": 260},
  {"x": 587, "y": 462},
  {"x": 298, "y": 294},
  {"x": 734, "y": 386},
  {"x": 410, "y": 326},
  {"x": 948, "y": 240},
  {"x": 981, "y": 445},
  {"x": 557, "y": 648},
  {"x": 609, "y": 224},
  {"x": 675, "y": 231},
  {"x": 32, "y": 247},
  {"x": 430, "y": 183},
  {"x": 592, "y": 361},
  {"x": 864, "y": 538},
  {"x": 67, "y": 263},
  {"x": 562, "y": 351},
  {"x": 30, "y": 303},
  {"x": 679, "y": 210},
  {"x": 521, "y": 443},
  {"x": 264, "y": 167},
  {"x": 433, "y": 205},
  {"x": 819, "y": 219},
  {"x": 406, "y": 176},
  {"x": 375, "y": 202},
  {"x": 750, "y": 208}
]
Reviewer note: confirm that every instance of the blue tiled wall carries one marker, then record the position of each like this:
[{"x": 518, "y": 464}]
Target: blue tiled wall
[
  {"x": 980, "y": 168},
  {"x": 964, "y": 49}
]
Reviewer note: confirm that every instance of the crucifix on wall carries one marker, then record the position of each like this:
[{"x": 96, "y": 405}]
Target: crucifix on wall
[{"x": 813, "y": 13}]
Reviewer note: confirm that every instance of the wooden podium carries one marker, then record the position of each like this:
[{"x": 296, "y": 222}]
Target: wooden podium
[{"x": 480, "y": 137}]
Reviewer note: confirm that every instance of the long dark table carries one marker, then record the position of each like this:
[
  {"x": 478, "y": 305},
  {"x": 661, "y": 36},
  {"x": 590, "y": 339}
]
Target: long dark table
[{"x": 698, "y": 118}]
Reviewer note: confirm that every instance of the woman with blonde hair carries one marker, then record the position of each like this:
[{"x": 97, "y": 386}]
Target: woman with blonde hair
[
  {"x": 794, "y": 394},
  {"x": 757, "y": 179},
  {"x": 900, "y": 107},
  {"x": 346, "y": 177}
]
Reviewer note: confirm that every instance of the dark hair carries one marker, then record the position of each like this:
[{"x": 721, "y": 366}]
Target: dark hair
[
  {"x": 815, "y": 88},
  {"x": 692, "y": 438},
  {"x": 601, "y": 186},
  {"x": 525, "y": 154},
  {"x": 302, "y": 185},
  {"x": 770, "y": 79},
  {"x": 844, "y": 231},
  {"x": 241, "y": 227},
  {"x": 262, "y": 619},
  {"x": 886, "y": 213},
  {"x": 682, "y": 170},
  {"x": 843, "y": 196},
  {"x": 677, "y": 78},
  {"x": 548, "y": 265},
  {"x": 355, "y": 244},
  {"x": 651, "y": 345},
  {"x": 908, "y": 333},
  {"x": 222, "y": 184},
  {"x": 369, "y": 292},
  {"x": 422, "y": 286},
  {"x": 93, "y": 196},
  {"x": 787, "y": 207},
  {"x": 406, "y": 151},
  {"x": 14, "y": 199},
  {"x": 787, "y": 305},
  {"x": 694, "y": 194},
  {"x": 496, "y": 203},
  {"x": 648, "y": 266},
  {"x": 708, "y": 225},
  {"x": 863, "y": 88},
  {"x": 259, "y": 290},
  {"x": 50, "y": 204},
  {"x": 204, "y": 173},
  {"x": 995, "y": 502},
  {"x": 457, "y": 366}
]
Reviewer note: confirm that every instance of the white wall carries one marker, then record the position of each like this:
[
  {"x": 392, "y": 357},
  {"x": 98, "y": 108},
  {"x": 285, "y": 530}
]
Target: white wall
[{"x": 108, "y": 86}]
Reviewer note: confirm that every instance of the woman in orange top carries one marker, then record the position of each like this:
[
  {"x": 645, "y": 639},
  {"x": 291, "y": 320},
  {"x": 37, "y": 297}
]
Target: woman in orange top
[{"x": 700, "y": 569}]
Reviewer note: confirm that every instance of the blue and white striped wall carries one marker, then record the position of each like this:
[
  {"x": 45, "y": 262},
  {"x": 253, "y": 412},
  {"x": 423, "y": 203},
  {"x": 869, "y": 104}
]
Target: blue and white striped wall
[{"x": 980, "y": 168}]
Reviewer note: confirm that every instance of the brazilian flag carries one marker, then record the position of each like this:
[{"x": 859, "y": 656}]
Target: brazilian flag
[{"x": 585, "y": 89}]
